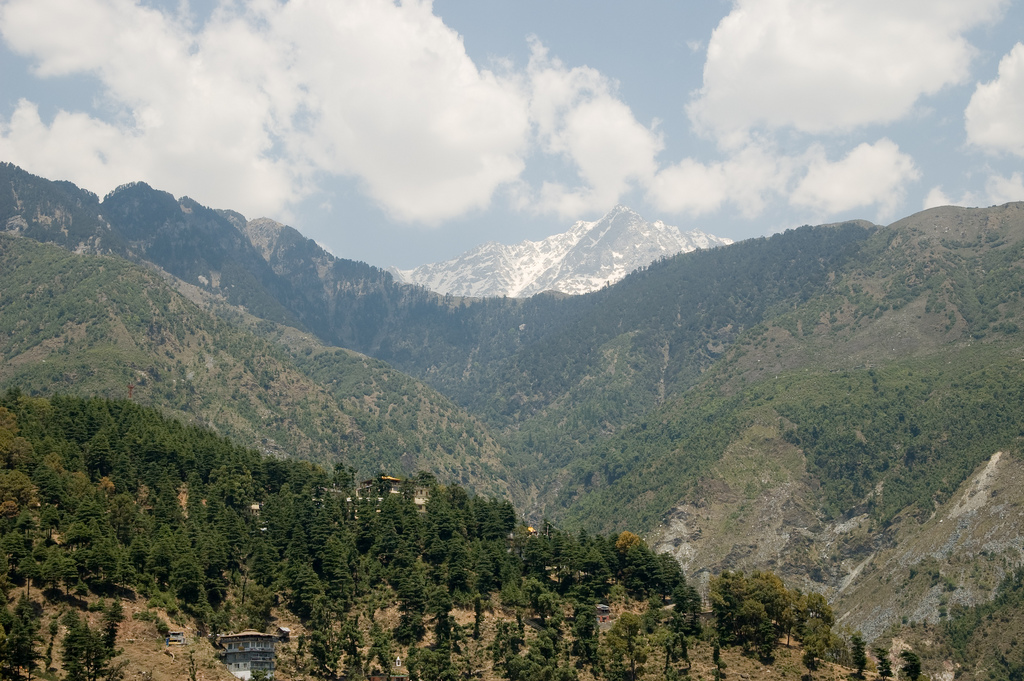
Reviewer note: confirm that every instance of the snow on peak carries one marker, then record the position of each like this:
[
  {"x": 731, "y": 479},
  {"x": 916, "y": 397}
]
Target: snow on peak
[{"x": 585, "y": 258}]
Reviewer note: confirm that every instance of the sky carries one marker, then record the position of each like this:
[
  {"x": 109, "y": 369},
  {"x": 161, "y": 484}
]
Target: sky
[{"x": 402, "y": 133}]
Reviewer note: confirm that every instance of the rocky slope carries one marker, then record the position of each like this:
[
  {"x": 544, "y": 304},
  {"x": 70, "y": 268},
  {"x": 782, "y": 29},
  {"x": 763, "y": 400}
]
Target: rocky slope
[
  {"x": 752, "y": 512},
  {"x": 906, "y": 361},
  {"x": 585, "y": 258}
]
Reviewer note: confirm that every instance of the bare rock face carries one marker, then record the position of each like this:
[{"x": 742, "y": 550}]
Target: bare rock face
[
  {"x": 583, "y": 259},
  {"x": 753, "y": 512}
]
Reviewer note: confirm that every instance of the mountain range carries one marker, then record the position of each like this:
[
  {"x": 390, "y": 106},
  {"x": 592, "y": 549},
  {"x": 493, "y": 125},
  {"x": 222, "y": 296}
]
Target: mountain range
[
  {"x": 585, "y": 258},
  {"x": 840, "y": 403}
]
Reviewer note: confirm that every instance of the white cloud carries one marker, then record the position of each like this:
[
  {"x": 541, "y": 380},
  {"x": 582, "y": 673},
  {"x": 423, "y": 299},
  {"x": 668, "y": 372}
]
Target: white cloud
[
  {"x": 936, "y": 197},
  {"x": 173, "y": 120},
  {"x": 250, "y": 110},
  {"x": 1005, "y": 189},
  {"x": 871, "y": 174},
  {"x": 578, "y": 116},
  {"x": 817, "y": 67},
  {"x": 994, "y": 115},
  {"x": 254, "y": 108},
  {"x": 831, "y": 65},
  {"x": 746, "y": 179},
  {"x": 267, "y": 98},
  {"x": 397, "y": 102}
]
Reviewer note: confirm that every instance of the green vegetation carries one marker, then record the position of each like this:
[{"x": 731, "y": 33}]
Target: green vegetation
[
  {"x": 96, "y": 325},
  {"x": 920, "y": 426},
  {"x": 109, "y": 499},
  {"x": 882, "y": 364},
  {"x": 986, "y": 638},
  {"x": 602, "y": 384}
]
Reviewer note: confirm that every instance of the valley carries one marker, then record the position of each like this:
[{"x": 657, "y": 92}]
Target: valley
[{"x": 838, "y": 404}]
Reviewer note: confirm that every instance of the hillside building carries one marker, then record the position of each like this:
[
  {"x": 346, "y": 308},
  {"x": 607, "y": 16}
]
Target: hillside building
[
  {"x": 386, "y": 484},
  {"x": 247, "y": 652},
  {"x": 382, "y": 484}
]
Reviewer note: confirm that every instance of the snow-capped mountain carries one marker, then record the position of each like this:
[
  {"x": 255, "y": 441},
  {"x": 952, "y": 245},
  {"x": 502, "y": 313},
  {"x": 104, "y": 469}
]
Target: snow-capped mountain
[{"x": 583, "y": 259}]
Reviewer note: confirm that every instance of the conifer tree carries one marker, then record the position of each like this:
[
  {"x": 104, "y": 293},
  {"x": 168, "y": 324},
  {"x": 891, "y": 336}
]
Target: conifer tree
[
  {"x": 112, "y": 618},
  {"x": 585, "y": 635},
  {"x": 325, "y": 641},
  {"x": 410, "y": 588},
  {"x": 85, "y": 654},
  {"x": 911, "y": 664},
  {"x": 23, "y": 637},
  {"x": 381, "y": 648},
  {"x": 884, "y": 664},
  {"x": 857, "y": 650},
  {"x": 351, "y": 642}
]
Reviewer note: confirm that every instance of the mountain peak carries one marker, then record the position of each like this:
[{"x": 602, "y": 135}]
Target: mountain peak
[{"x": 588, "y": 256}]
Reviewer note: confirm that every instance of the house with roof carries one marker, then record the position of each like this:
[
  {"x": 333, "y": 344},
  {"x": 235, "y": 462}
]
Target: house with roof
[
  {"x": 248, "y": 651},
  {"x": 387, "y": 484}
]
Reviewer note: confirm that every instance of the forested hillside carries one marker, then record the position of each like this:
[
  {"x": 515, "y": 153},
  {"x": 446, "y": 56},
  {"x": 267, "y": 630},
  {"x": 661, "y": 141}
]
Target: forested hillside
[
  {"x": 94, "y": 325},
  {"x": 839, "y": 404},
  {"x": 106, "y": 499},
  {"x": 557, "y": 375}
]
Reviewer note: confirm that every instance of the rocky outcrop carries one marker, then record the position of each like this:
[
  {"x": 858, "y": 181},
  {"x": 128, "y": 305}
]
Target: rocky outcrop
[{"x": 915, "y": 569}]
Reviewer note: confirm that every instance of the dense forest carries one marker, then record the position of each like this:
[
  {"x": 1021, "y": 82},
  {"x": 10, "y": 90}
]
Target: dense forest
[{"x": 104, "y": 501}]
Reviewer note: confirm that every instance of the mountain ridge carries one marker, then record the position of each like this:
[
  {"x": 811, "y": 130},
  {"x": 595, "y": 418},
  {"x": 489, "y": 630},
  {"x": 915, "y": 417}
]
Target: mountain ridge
[
  {"x": 586, "y": 257},
  {"x": 845, "y": 380},
  {"x": 89, "y": 324}
]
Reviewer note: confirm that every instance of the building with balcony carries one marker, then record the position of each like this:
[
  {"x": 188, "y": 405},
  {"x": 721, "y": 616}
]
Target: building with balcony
[{"x": 247, "y": 652}]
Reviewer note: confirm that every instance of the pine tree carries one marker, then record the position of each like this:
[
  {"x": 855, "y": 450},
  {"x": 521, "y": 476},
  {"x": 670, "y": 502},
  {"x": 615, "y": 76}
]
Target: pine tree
[
  {"x": 381, "y": 648},
  {"x": 584, "y": 635},
  {"x": 112, "y": 618},
  {"x": 440, "y": 607},
  {"x": 412, "y": 597},
  {"x": 23, "y": 637},
  {"x": 325, "y": 641},
  {"x": 860, "y": 658},
  {"x": 339, "y": 583},
  {"x": 478, "y": 616},
  {"x": 884, "y": 664},
  {"x": 911, "y": 664},
  {"x": 188, "y": 581},
  {"x": 351, "y": 642},
  {"x": 84, "y": 654}
]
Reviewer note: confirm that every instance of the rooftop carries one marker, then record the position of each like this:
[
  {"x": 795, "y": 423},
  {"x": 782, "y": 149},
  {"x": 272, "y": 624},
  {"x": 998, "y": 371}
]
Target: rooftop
[{"x": 248, "y": 633}]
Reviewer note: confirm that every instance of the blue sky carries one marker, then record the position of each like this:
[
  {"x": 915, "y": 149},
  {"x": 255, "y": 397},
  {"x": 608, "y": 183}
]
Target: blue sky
[{"x": 406, "y": 133}]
